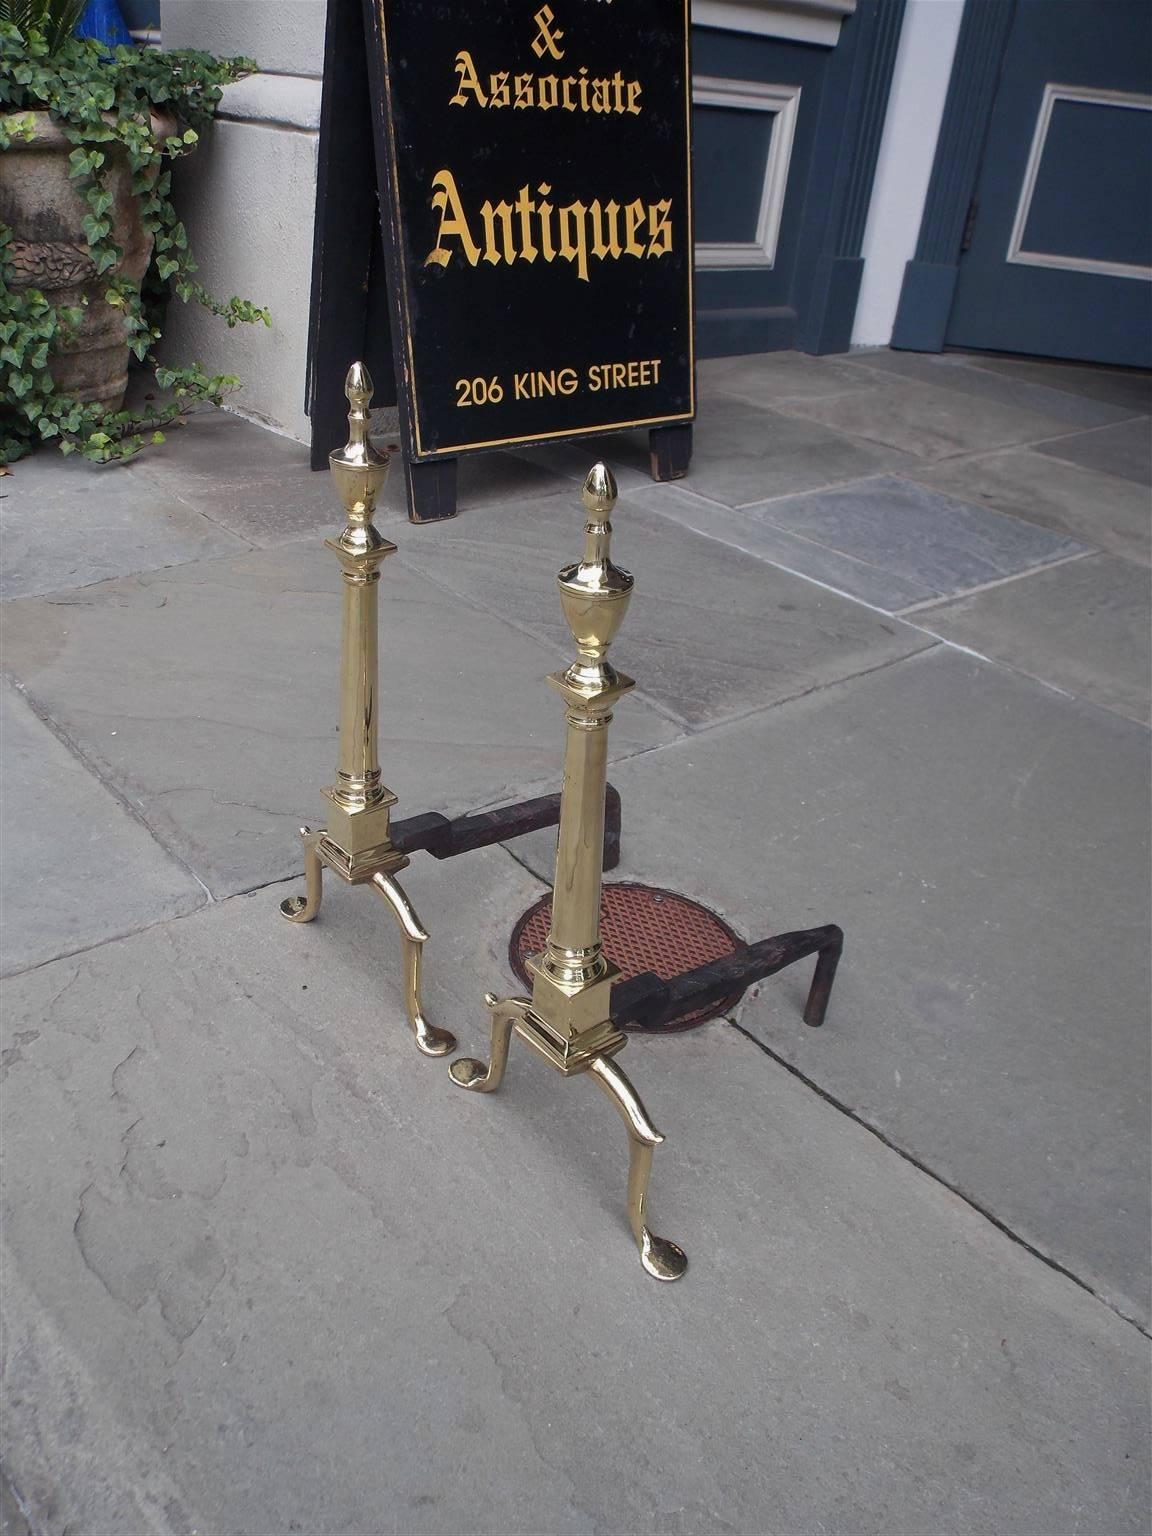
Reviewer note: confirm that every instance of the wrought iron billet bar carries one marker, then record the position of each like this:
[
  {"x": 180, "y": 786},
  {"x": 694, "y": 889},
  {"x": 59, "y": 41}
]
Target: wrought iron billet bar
[
  {"x": 358, "y": 841},
  {"x": 647, "y": 1002},
  {"x": 569, "y": 1019},
  {"x": 444, "y": 838}
]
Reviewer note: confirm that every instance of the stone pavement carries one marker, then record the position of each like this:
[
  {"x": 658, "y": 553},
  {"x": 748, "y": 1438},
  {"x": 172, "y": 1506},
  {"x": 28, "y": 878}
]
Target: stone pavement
[{"x": 266, "y": 1270}]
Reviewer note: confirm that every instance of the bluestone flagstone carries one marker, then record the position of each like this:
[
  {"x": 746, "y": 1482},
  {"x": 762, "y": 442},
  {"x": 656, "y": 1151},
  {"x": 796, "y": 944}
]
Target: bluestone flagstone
[
  {"x": 1130, "y": 388},
  {"x": 77, "y": 869},
  {"x": 291, "y": 1273},
  {"x": 924, "y": 420},
  {"x": 741, "y": 528},
  {"x": 261, "y": 486},
  {"x": 12, "y": 1521},
  {"x": 1104, "y": 510},
  {"x": 984, "y": 845},
  {"x": 67, "y": 523},
  {"x": 708, "y": 634},
  {"x": 251, "y": 481},
  {"x": 1064, "y": 410},
  {"x": 265, "y": 1268},
  {"x": 1124, "y": 450},
  {"x": 764, "y": 377},
  {"x": 209, "y": 697},
  {"x": 936, "y": 542},
  {"x": 741, "y": 453},
  {"x": 1083, "y": 627}
]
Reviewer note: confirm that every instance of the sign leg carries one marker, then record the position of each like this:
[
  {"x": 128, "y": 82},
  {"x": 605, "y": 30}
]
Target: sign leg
[
  {"x": 342, "y": 238},
  {"x": 670, "y": 450},
  {"x": 431, "y": 490}
]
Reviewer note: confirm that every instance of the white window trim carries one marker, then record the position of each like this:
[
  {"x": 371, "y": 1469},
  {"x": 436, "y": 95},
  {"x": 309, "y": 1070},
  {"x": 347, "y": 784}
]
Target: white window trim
[
  {"x": 1092, "y": 97},
  {"x": 783, "y": 102},
  {"x": 795, "y": 21}
]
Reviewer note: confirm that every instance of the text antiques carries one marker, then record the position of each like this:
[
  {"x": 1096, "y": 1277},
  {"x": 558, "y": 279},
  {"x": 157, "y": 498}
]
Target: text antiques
[
  {"x": 533, "y": 166},
  {"x": 539, "y": 202}
]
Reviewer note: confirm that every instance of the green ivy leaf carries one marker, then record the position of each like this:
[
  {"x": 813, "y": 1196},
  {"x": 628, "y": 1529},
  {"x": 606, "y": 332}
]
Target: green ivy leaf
[
  {"x": 102, "y": 99},
  {"x": 95, "y": 228}
]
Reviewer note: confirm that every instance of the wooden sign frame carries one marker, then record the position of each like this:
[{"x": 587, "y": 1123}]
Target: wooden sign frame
[{"x": 363, "y": 272}]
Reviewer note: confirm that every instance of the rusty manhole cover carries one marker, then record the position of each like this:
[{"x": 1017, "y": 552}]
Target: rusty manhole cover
[{"x": 643, "y": 929}]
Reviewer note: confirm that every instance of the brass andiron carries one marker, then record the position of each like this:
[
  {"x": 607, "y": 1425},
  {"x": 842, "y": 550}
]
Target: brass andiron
[
  {"x": 568, "y": 1019},
  {"x": 356, "y": 843},
  {"x": 359, "y": 843}
]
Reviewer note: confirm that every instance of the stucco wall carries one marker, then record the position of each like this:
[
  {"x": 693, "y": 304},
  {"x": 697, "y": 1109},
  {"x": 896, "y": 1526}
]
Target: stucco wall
[
  {"x": 247, "y": 198},
  {"x": 285, "y": 37}
]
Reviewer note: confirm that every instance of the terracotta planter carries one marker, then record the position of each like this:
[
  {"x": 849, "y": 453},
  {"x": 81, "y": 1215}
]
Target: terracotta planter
[{"x": 45, "y": 211}]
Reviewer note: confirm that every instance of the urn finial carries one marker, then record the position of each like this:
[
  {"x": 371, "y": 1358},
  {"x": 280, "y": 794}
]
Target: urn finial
[
  {"x": 358, "y": 469},
  {"x": 595, "y": 592}
]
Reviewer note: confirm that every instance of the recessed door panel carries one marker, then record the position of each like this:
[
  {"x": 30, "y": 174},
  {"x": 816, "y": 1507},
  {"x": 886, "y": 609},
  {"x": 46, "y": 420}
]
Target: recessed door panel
[{"x": 1059, "y": 260}]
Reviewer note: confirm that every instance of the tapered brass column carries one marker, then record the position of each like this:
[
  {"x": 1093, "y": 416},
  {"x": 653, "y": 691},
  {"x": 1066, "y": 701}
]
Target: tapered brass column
[
  {"x": 356, "y": 842},
  {"x": 568, "y": 1019},
  {"x": 356, "y": 839}
]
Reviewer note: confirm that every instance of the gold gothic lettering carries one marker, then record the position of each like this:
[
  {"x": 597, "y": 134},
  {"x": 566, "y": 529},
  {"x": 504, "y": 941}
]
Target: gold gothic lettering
[
  {"x": 548, "y": 35},
  {"x": 531, "y": 227},
  {"x": 613, "y": 96}
]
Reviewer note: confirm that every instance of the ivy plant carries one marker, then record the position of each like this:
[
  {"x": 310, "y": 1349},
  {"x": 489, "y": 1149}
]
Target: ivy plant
[{"x": 102, "y": 99}]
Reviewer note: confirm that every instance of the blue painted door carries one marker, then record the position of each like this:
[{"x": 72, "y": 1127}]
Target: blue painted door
[{"x": 1059, "y": 239}]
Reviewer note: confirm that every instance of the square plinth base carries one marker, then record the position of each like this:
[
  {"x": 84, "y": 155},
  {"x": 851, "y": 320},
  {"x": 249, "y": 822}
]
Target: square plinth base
[
  {"x": 359, "y": 867},
  {"x": 569, "y": 1056},
  {"x": 357, "y": 843}
]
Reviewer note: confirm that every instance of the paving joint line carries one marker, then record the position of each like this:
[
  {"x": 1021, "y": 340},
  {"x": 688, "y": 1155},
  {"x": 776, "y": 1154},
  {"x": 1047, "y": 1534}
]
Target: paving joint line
[
  {"x": 907, "y": 616},
  {"x": 889, "y": 376},
  {"x": 112, "y": 938},
  {"x": 928, "y": 603},
  {"x": 509, "y": 849},
  {"x": 806, "y": 693},
  {"x": 134, "y": 811},
  {"x": 969, "y": 1200},
  {"x": 794, "y": 1071},
  {"x": 899, "y": 614},
  {"x": 1101, "y": 426},
  {"x": 147, "y": 570},
  {"x": 140, "y": 474},
  {"x": 1040, "y": 682},
  {"x": 523, "y": 629}
]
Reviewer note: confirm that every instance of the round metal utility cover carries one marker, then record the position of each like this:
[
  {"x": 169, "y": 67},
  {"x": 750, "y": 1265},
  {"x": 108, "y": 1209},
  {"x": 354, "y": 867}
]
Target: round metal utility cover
[{"x": 642, "y": 929}]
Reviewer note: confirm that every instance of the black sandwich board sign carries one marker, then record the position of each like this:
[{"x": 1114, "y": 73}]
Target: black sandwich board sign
[{"x": 525, "y": 241}]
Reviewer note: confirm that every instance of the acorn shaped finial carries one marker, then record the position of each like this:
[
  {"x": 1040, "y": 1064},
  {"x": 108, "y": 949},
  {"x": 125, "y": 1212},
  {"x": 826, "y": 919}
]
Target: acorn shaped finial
[
  {"x": 594, "y": 592},
  {"x": 599, "y": 494},
  {"x": 358, "y": 469}
]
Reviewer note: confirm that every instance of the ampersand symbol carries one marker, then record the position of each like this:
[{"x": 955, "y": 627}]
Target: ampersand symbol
[{"x": 548, "y": 35}]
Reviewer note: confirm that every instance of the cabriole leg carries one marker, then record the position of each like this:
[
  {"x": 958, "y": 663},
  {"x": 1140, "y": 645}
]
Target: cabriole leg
[
  {"x": 470, "y": 1073},
  {"x": 302, "y": 909},
  {"x": 662, "y": 1259},
  {"x": 429, "y": 1039}
]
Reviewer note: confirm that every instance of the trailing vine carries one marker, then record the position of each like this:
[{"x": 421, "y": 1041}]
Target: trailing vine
[{"x": 103, "y": 101}]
